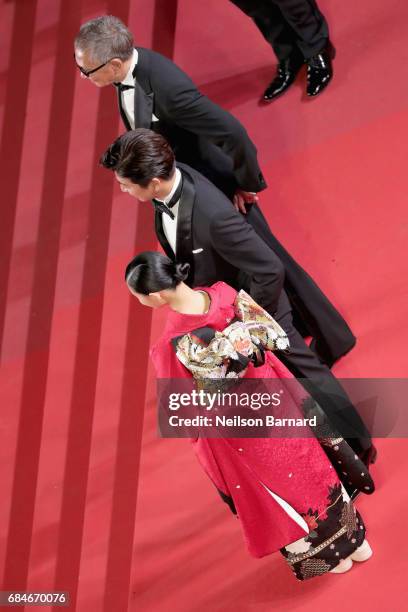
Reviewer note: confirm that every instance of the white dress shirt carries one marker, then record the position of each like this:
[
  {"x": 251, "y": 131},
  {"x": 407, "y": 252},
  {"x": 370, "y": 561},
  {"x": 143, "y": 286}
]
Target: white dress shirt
[
  {"x": 128, "y": 96},
  {"x": 169, "y": 224}
]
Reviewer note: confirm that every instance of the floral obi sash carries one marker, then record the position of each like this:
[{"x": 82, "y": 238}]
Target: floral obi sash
[{"x": 208, "y": 353}]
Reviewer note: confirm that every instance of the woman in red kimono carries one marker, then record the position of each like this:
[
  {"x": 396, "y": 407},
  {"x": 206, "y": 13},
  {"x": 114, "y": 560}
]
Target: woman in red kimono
[{"x": 286, "y": 491}]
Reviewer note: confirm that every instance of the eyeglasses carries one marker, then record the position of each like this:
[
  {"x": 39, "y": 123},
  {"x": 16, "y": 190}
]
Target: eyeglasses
[{"x": 87, "y": 73}]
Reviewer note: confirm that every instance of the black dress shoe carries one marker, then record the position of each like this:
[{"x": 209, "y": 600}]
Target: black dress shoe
[
  {"x": 320, "y": 71},
  {"x": 286, "y": 74}
]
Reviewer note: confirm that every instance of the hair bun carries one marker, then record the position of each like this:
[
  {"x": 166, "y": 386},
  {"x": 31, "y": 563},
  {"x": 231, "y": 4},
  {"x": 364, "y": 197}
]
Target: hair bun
[
  {"x": 111, "y": 156},
  {"x": 181, "y": 271}
]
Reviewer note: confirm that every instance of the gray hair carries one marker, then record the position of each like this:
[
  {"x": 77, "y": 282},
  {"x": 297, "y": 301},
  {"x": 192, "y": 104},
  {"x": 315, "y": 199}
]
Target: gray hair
[{"x": 104, "y": 38}]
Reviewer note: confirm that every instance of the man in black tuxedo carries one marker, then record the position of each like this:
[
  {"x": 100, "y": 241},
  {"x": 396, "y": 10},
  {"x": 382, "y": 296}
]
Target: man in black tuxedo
[
  {"x": 298, "y": 33},
  {"x": 195, "y": 223},
  {"x": 154, "y": 93}
]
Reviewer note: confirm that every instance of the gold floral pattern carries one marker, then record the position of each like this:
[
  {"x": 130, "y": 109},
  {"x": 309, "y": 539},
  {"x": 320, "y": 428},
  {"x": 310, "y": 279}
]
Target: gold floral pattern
[
  {"x": 228, "y": 353},
  {"x": 333, "y": 536}
]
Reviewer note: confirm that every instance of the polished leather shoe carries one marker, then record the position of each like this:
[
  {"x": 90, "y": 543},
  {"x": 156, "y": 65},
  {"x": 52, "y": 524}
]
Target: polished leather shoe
[
  {"x": 286, "y": 74},
  {"x": 319, "y": 71}
]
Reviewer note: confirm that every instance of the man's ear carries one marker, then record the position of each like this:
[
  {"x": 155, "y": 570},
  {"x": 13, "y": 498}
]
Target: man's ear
[
  {"x": 156, "y": 184},
  {"x": 117, "y": 64}
]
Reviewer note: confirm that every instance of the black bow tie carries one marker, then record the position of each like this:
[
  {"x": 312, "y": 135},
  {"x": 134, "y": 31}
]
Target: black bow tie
[
  {"x": 120, "y": 87},
  {"x": 162, "y": 208},
  {"x": 165, "y": 208}
]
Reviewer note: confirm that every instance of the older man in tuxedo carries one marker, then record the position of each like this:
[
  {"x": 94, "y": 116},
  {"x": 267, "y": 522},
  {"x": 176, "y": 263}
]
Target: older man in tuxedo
[{"x": 195, "y": 223}]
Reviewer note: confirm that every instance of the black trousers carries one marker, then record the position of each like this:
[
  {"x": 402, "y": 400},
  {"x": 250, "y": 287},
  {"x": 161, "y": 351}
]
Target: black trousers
[
  {"x": 292, "y": 27},
  {"x": 321, "y": 384}
]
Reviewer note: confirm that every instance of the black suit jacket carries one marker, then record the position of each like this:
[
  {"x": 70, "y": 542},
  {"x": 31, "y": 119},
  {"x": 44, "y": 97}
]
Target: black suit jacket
[
  {"x": 200, "y": 132},
  {"x": 219, "y": 244}
]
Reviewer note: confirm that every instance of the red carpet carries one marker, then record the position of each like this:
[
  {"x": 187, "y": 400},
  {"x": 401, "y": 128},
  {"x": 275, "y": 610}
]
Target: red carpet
[{"x": 82, "y": 510}]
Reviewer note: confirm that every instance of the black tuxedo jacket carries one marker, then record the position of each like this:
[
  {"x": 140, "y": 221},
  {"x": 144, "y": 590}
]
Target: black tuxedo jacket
[
  {"x": 200, "y": 132},
  {"x": 221, "y": 244}
]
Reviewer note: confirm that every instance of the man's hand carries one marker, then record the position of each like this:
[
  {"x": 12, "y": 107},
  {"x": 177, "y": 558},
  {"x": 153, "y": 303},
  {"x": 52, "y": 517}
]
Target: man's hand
[{"x": 243, "y": 197}]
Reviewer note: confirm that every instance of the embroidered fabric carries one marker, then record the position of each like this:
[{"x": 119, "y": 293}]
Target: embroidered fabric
[
  {"x": 212, "y": 354},
  {"x": 333, "y": 537}
]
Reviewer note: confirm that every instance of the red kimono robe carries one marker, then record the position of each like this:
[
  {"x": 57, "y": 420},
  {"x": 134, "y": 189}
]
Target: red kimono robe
[{"x": 250, "y": 470}]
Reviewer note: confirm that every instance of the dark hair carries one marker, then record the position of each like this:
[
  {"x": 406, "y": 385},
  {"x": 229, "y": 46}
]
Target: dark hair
[
  {"x": 105, "y": 38},
  {"x": 152, "y": 271},
  {"x": 140, "y": 155}
]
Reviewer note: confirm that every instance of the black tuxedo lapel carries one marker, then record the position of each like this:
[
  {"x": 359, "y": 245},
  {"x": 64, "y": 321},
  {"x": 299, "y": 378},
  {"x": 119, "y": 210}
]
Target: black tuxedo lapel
[
  {"x": 161, "y": 235},
  {"x": 143, "y": 102},
  {"x": 143, "y": 107},
  {"x": 144, "y": 97},
  {"x": 184, "y": 236},
  {"x": 122, "y": 112}
]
